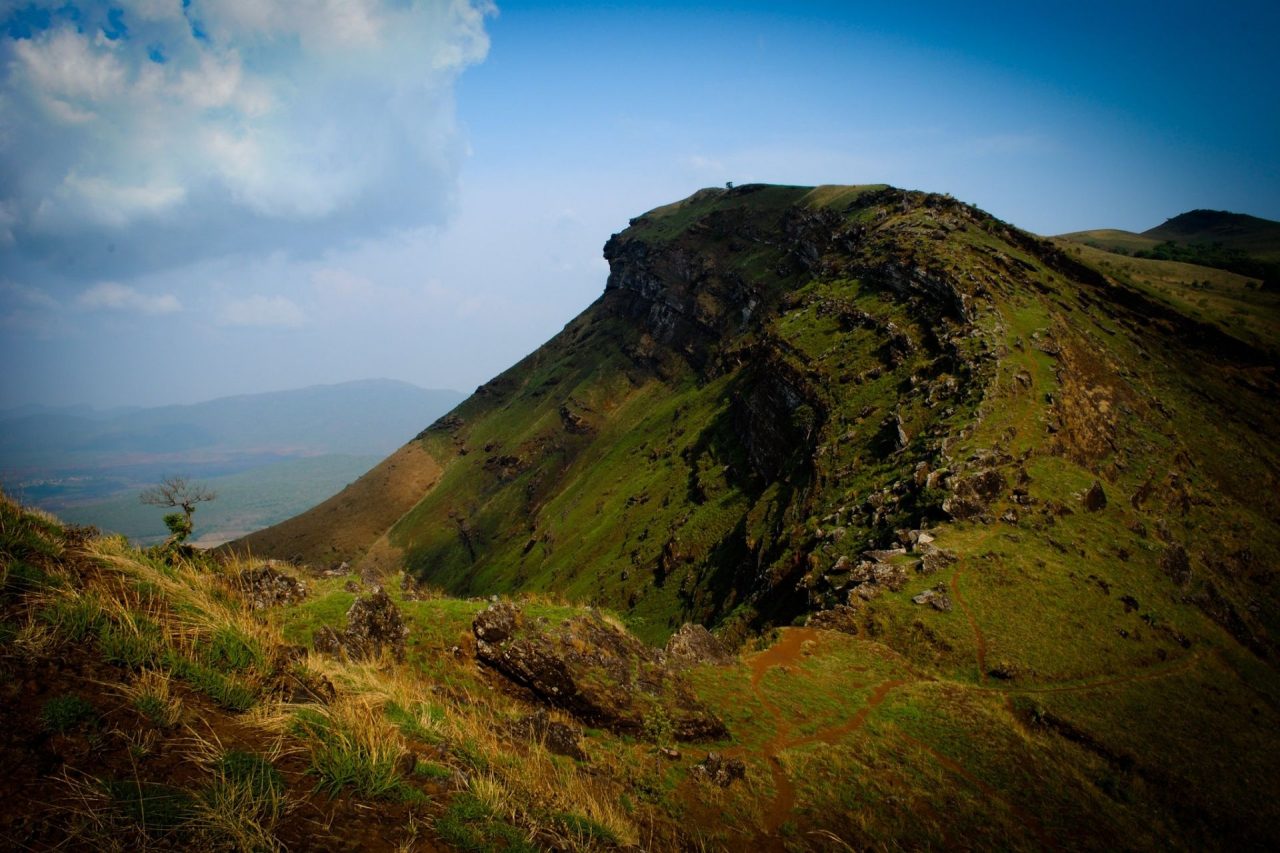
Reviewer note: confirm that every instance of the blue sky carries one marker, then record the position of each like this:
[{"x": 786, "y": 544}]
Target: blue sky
[{"x": 224, "y": 197}]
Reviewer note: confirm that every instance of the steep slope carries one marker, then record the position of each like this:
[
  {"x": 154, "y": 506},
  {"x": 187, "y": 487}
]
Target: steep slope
[
  {"x": 1024, "y": 498},
  {"x": 779, "y": 379}
]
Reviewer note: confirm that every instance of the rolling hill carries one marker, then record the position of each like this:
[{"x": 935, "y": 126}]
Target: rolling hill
[
  {"x": 1243, "y": 244},
  {"x": 985, "y": 526}
]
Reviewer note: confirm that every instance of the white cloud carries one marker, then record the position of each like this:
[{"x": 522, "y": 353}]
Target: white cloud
[
  {"x": 228, "y": 126},
  {"x": 338, "y": 283},
  {"x": 66, "y": 65},
  {"x": 28, "y": 297},
  {"x": 259, "y": 310},
  {"x": 114, "y": 204},
  {"x": 112, "y": 296}
]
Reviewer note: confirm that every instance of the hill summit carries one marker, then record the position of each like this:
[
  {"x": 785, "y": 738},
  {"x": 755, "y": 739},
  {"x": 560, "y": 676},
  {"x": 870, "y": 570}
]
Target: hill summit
[
  {"x": 783, "y": 390},
  {"x": 984, "y": 527}
]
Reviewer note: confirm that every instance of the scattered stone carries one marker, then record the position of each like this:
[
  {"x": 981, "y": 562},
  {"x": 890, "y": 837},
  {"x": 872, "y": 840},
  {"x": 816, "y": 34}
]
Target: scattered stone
[
  {"x": 1010, "y": 516},
  {"x": 1095, "y": 498},
  {"x": 719, "y": 770},
  {"x": 374, "y": 623},
  {"x": 970, "y": 495},
  {"x": 558, "y": 738},
  {"x": 1176, "y": 563},
  {"x": 693, "y": 644},
  {"x": 935, "y": 560},
  {"x": 593, "y": 669},
  {"x": 842, "y": 618},
  {"x": 265, "y": 587},
  {"x": 937, "y": 598},
  {"x": 352, "y": 586},
  {"x": 669, "y": 753}
]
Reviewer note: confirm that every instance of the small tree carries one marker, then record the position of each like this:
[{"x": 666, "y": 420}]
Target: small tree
[{"x": 182, "y": 494}]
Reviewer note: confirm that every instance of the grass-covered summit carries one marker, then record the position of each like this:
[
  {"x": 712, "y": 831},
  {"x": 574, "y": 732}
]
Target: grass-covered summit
[
  {"x": 1022, "y": 494},
  {"x": 777, "y": 380}
]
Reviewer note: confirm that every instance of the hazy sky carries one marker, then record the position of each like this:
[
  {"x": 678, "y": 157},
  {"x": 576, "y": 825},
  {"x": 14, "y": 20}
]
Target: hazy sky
[{"x": 224, "y": 196}]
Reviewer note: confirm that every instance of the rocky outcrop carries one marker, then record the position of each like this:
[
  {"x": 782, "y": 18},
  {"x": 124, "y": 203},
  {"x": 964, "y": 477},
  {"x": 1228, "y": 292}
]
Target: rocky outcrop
[
  {"x": 374, "y": 624},
  {"x": 716, "y": 769},
  {"x": 592, "y": 669},
  {"x": 264, "y": 587},
  {"x": 557, "y": 737},
  {"x": 971, "y": 495},
  {"x": 1095, "y": 498},
  {"x": 693, "y": 644}
]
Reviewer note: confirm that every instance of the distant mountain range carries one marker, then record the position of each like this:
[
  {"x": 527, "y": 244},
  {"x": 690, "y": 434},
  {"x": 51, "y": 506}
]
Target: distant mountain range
[
  {"x": 87, "y": 463},
  {"x": 367, "y": 416},
  {"x": 1248, "y": 245}
]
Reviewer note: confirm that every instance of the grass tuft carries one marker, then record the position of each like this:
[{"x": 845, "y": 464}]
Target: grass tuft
[{"x": 63, "y": 713}]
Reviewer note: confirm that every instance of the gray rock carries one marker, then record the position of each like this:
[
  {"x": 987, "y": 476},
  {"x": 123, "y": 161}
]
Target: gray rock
[
  {"x": 937, "y": 598},
  {"x": 264, "y": 587},
  {"x": 718, "y": 770},
  {"x": 592, "y": 669},
  {"x": 693, "y": 644}
]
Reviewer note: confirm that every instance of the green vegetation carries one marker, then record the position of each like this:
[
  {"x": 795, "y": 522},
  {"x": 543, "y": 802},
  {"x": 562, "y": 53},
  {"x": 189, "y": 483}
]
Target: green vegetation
[
  {"x": 63, "y": 713},
  {"x": 1033, "y": 484}
]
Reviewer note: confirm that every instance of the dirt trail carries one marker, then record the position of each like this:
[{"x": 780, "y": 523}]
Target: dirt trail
[{"x": 786, "y": 652}]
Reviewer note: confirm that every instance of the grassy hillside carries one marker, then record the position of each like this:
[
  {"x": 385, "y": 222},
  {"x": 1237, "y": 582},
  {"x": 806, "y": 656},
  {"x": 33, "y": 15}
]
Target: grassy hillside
[
  {"x": 150, "y": 700},
  {"x": 1034, "y": 486},
  {"x": 1246, "y": 245}
]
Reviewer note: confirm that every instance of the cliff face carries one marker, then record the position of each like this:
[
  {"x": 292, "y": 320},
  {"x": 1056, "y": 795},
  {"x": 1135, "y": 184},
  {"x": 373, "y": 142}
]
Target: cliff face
[{"x": 783, "y": 390}]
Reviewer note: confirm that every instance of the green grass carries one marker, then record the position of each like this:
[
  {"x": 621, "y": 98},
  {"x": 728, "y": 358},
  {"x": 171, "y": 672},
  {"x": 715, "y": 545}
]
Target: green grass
[
  {"x": 134, "y": 641},
  {"x": 61, "y": 714},
  {"x": 157, "y": 809},
  {"x": 229, "y": 691},
  {"x": 76, "y": 619},
  {"x": 468, "y": 825},
  {"x": 343, "y": 758}
]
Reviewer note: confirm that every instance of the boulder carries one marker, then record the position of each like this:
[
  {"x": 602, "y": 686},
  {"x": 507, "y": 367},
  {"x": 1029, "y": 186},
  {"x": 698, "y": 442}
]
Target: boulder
[
  {"x": 1095, "y": 498},
  {"x": 970, "y": 495},
  {"x": 558, "y": 738},
  {"x": 935, "y": 560},
  {"x": 374, "y": 623},
  {"x": 937, "y": 598},
  {"x": 264, "y": 587},
  {"x": 841, "y": 618},
  {"x": 694, "y": 644},
  {"x": 592, "y": 669},
  {"x": 718, "y": 770}
]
